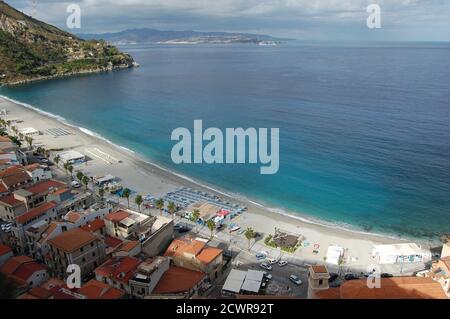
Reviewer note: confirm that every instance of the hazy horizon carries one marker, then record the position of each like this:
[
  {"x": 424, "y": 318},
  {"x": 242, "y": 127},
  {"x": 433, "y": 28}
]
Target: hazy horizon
[{"x": 309, "y": 20}]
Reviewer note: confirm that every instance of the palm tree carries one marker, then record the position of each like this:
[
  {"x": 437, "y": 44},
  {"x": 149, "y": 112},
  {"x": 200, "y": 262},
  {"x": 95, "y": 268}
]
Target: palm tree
[
  {"x": 126, "y": 193},
  {"x": 249, "y": 234},
  {"x": 160, "y": 205},
  {"x": 211, "y": 226},
  {"x": 80, "y": 176},
  {"x": 56, "y": 159},
  {"x": 171, "y": 208},
  {"x": 66, "y": 168},
  {"x": 101, "y": 193},
  {"x": 85, "y": 181},
  {"x": 195, "y": 215},
  {"x": 139, "y": 200},
  {"x": 70, "y": 169}
]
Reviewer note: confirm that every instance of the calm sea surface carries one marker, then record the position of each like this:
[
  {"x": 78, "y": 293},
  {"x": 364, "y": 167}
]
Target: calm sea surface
[{"x": 364, "y": 129}]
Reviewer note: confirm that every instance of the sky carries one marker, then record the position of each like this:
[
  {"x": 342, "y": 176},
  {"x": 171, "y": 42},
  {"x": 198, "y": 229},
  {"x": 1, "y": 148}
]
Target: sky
[{"x": 322, "y": 20}]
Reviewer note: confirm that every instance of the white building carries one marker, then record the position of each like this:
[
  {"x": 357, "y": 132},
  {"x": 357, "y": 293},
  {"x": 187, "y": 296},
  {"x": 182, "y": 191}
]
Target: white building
[
  {"x": 400, "y": 253},
  {"x": 38, "y": 172},
  {"x": 72, "y": 157}
]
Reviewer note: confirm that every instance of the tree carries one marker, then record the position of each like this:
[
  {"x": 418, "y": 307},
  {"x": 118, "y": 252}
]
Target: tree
[
  {"x": 85, "y": 181},
  {"x": 195, "y": 215},
  {"x": 56, "y": 159},
  {"x": 249, "y": 234},
  {"x": 139, "y": 200},
  {"x": 171, "y": 208},
  {"x": 80, "y": 175},
  {"x": 66, "y": 168},
  {"x": 126, "y": 193},
  {"x": 160, "y": 205},
  {"x": 70, "y": 169},
  {"x": 101, "y": 193},
  {"x": 211, "y": 226}
]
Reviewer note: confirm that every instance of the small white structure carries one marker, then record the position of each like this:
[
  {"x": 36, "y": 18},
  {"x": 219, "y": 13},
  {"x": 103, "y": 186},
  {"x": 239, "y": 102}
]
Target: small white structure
[
  {"x": 29, "y": 131},
  {"x": 234, "y": 281},
  {"x": 72, "y": 157},
  {"x": 334, "y": 254},
  {"x": 400, "y": 253},
  {"x": 253, "y": 281},
  {"x": 101, "y": 180}
]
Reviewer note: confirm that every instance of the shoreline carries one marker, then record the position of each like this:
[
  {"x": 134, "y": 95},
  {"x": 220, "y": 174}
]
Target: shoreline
[
  {"x": 191, "y": 182},
  {"x": 157, "y": 180}
]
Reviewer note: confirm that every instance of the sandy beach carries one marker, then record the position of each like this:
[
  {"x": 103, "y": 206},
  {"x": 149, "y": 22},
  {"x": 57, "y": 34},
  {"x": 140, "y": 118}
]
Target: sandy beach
[{"x": 145, "y": 178}]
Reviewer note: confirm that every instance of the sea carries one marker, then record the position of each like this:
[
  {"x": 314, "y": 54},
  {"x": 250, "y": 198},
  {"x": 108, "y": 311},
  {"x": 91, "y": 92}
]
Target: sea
[{"x": 364, "y": 127}]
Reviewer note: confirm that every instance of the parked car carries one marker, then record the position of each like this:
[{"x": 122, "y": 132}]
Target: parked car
[
  {"x": 295, "y": 280},
  {"x": 350, "y": 277},
  {"x": 75, "y": 184},
  {"x": 282, "y": 263},
  {"x": 386, "y": 275},
  {"x": 268, "y": 276},
  {"x": 266, "y": 266},
  {"x": 333, "y": 277},
  {"x": 261, "y": 255},
  {"x": 272, "y": 261}
]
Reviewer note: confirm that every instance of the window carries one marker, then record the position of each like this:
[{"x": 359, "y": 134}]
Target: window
[
  {"x": 93, "y": 254},
  {"x": 82, "y": 249},
  {"x": 83, "y": 260},
  {"x": 320, "y": 281},
  {"x": 92, "y": 244}
]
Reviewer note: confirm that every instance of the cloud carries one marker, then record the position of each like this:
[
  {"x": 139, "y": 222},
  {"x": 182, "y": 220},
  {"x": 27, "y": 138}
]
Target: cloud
[{"x": 323, "y": 18}]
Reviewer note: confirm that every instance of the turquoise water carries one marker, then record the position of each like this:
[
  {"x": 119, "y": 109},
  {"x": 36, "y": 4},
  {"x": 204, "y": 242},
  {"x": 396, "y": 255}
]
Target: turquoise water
[{"x": 364, "y": 129}]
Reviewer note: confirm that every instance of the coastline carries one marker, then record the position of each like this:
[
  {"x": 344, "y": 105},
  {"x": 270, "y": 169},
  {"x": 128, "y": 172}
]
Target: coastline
[{"x": 141, "y": 175}]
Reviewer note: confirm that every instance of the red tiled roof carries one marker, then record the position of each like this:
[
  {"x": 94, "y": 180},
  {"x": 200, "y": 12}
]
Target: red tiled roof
[
  {"x": 44, "y": 186},
  {"x": 5, "y": 139},
  {"x": 3, "y": 189},
  {"x": 320, "y": 269},
  {"x": 11, "y": 265},
  {"x": 117, "y": 216},
  {"x": 25, "y": 271},
  {"x": 390, "y": 288},
  {"x": 112, "y": 241},
  {"x": 4, "y": 250},
  {"x": 35, "y": 212},
  {"x": 178, "y": 280},
  {"x": 40, "y": 293},
  {"x": 183, "y": 245},
  {"x": 130, "y": 245},
  {"x": 14, "y": 175},
  {"x": 118, "y": 269},
  {"x": 10, "y": 200},
  {"x": 72, "y": 217},
  {"x": 94, "y": 289},
  {"x": 95, "y": 225},
  {"x": 32, "y": 167},
  {"x": 209, "y": 254},
  {"x": 72, "y": 240}
]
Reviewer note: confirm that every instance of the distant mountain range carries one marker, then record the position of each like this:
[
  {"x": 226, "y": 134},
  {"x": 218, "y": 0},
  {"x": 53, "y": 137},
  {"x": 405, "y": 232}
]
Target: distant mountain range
[{"x": 142, "y": 36}]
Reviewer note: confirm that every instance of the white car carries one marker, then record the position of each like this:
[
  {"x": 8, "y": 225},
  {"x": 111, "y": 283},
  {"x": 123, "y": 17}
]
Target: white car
[
  {"x": 272, "y": 261},
  {"x": 295, "y": 280},
  {"x": 266, "y": 266},
  {"x": 282, "y": 263},
  {"x": 75, "y": 184}
]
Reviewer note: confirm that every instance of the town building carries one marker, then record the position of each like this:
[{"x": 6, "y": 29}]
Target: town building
[
  {"x": 117, "y": 272},
  {"x": 24, "y": 271},
  {"x": 76, "y": 246},
  {"x": 5, "y": 253},
  {"x": 147, "y": 276}
]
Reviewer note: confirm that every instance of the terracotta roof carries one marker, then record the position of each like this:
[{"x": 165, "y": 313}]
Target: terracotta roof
[
  {"x": 117, "y": 216},
  {"x": 5, "y": 139},
  {"x": 94, "y": 289},
  {"x": 10, "y": 200},
  {"x": 112, "y": 241},
  {"x": 4, "y": 250},
  {"x": 72, "y": 217},
  {"x": 51, "y": 283},
  {"x": 35, "y": 212},
  {"x": 94, "y": 225},
  {"x": 130, "y": 245},
  {"x": 72, "y": 240},
  {"x": 11, "y": 265},
  {"x": 44, "y": 186},
  {"x": 21, "y": 267},
  {"x": 118, "y": 269},
  {"x": 38, "y": 293},
  {"x": 209, "y": 254},
  {"x": 183, "y": 245},
  {"x": 3, "y": 189},
  {"x": 27, "y": 296},
  {"x": 47, "y": 232},
  {"x": 14, "y": 175},
  {"x": 61, "y": 191},
  {"x": 391, "y": 288},
  {"x": 178, "y": 280},
  {"x": 320, "y": 269}
]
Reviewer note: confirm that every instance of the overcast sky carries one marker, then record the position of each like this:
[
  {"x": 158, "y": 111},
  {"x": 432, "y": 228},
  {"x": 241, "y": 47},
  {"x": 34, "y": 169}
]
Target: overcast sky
[{"x": 411, "y": 20}]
